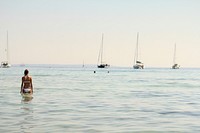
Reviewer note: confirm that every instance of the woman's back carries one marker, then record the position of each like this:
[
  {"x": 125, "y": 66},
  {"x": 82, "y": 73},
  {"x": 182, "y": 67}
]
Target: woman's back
[{"x": 26, "y": 82}]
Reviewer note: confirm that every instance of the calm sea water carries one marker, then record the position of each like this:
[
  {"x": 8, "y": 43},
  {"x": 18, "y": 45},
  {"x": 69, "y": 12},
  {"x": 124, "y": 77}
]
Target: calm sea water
[{"x": 77, "y": 100}]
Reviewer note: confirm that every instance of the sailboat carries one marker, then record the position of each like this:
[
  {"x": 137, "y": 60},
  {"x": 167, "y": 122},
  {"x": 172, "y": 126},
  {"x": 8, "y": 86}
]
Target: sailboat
[
  {"x": 100, "y": 63},
  {"x": 175, "y": 65},
  {"x": 137, "y": 63},
  {"x": 83, "y": 64},
  {"x": 5, "y": 64}
]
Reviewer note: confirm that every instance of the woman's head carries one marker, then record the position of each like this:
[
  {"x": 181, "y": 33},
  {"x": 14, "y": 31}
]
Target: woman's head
[{"x": 26, "y": 72}]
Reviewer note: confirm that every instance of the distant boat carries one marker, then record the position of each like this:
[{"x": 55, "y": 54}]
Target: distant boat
[
  {"x": 83, "y": 64},
  {"x": 175, "y": 65},
  {"x": 137, "y": 63},
  {"x": 22, "y": 65},
  {"x": 100, "y": 63},
  {"x": 5, "y": 64}
]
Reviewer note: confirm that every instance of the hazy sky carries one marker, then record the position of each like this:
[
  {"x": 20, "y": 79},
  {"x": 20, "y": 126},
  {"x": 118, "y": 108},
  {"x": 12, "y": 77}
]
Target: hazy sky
[{"x": 69, "y": 31}]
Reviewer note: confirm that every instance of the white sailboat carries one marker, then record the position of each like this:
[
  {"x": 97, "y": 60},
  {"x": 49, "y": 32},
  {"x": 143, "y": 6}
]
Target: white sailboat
[
  {"x": 175, "y": 65},
  {"x": 100, "y": 63},
  {"x": 137, "y": 63},
  {"x": 6, "y": 64}
]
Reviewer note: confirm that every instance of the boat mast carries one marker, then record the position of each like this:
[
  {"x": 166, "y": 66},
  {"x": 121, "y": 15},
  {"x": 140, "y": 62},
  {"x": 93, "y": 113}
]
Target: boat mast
[
  {"x": 136, "y": 50},
  {"x": 100, "y": 57},
  {"x": 174, "y": 60},
  {"x": 7, "y": 48},
  {"x": 102, "y": 50}
]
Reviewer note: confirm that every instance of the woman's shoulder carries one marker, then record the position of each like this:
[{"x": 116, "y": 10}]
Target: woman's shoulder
[
  {"x": 26, "y": 77},
  {"x": 29, "y": 77}
]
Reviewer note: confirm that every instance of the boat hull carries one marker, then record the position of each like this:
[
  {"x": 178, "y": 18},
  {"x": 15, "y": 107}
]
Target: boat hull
[
  {"x": 175, "y": 66},
  {"x": 103, "y": 66},
  {"x": 138, "y": 67},
  {"x": 5, "y": 65}
]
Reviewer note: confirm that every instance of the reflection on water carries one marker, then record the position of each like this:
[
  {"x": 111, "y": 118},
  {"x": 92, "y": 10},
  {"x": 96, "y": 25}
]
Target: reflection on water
[
  {"x": 27, "y": 99},
  {"x": 26, "y": 125}
]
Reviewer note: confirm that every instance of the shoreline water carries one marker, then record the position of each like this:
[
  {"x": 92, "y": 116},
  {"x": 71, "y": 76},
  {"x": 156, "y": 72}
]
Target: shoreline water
[{"x": 123, "y": 100}]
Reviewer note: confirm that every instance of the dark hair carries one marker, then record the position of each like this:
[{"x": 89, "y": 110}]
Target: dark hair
[{"x": 26, "y": 72}]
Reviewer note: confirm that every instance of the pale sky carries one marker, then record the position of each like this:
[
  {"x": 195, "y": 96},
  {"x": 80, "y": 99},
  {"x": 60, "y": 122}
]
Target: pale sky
[{"x": 69, "y": 31}]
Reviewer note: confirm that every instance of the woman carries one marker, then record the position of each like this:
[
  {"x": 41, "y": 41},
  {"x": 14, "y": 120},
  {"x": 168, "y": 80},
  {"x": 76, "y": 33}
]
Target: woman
[{"x": 26, "y": 86}]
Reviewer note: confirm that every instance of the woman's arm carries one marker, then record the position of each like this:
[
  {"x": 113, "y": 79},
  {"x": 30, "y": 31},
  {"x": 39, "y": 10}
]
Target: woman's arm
[
  {"x": 21, "y": 86},
  {"x": 31, "y": 84}
]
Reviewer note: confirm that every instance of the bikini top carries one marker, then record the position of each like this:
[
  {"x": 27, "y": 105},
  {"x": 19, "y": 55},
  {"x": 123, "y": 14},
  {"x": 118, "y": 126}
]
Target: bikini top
[{"x": 26, "y": 81}]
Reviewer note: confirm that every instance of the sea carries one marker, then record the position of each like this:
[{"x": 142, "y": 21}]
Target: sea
[{"x": 76, "y": 99}]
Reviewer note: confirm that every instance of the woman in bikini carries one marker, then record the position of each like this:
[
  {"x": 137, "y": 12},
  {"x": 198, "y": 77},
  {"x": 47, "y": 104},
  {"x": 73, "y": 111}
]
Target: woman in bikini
[{"x": 26, "y": 86}]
